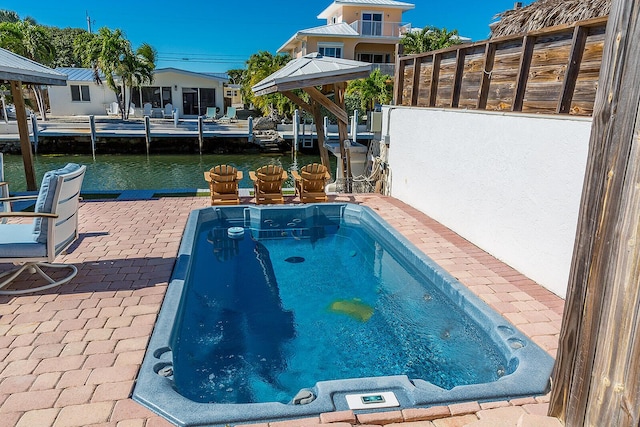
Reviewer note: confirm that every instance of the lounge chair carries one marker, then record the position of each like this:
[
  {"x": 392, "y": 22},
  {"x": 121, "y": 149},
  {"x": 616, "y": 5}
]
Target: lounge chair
[
  {"x": 211, "y": 113},
  {"x": 5, "y": 205},
  {"x": 230, "y": 117},
  {"x": 54, "y": 229},
  {"x": 267, "y": 184},
  {"x": 310, "y": 183},
  {"x": 147, "y": 110},
  {"x": 113, "y": 109},
  {"x": 168, "y": 111},
  {"x": 223, "y": 184}
]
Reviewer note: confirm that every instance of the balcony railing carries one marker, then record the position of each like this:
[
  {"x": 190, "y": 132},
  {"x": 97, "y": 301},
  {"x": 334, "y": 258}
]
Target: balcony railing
[{"x": 380, "y": 29}]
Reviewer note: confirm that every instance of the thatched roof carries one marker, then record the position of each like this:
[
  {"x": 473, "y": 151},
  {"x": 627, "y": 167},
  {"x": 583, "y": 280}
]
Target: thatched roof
[{"x": 547, "y": 13}]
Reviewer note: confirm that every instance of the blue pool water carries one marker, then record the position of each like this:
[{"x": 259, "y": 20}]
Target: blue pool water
[
  {"x": 325, "y": 300},
  {"x": 258, "y": 328}
]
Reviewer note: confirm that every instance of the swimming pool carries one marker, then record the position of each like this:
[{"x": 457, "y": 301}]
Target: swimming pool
[{"x": 282, "y": 312}]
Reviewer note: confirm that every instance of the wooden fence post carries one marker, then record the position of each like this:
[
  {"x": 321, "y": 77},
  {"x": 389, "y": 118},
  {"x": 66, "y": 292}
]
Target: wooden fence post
[{"x": 597, "y": 371}]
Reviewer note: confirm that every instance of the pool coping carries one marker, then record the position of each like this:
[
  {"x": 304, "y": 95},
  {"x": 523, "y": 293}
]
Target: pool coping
[{"x": 151, "y": 389}]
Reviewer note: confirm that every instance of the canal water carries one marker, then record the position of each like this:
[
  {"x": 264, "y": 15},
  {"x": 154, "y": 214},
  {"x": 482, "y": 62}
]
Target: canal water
[{"x": 141, "y": 172}]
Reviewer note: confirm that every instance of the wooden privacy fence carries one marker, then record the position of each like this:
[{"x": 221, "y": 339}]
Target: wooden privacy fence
[{"x": 554, "y": 70}]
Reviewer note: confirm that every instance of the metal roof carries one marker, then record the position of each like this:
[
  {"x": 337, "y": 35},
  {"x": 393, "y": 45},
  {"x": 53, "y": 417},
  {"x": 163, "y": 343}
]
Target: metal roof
[
  {"x": 79, "y": 74},
  {"x": 341, "y": 29},
  {"x": 312, "y": 70},
  {"x": 373, "y": 3},
  {"x": 210, "y": 76},
  {"x": 18, "y": 68}
]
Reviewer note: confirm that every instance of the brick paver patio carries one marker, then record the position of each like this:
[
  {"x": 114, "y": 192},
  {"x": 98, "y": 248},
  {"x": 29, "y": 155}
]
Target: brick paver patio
[{"x": 69, "y": 356}]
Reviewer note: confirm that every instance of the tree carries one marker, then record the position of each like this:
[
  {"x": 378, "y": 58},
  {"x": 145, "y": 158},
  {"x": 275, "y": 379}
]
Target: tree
[
  {"x": 428, "y": 39},
  {"x": 62, "y": 40},
  {"x": 259, "y": 66},
  {"x": 8, "y": 16},
  {"x": 33, "y": 42},
  {"x": 375, "y": 89},
  {"x": 236, "y": 76},
  {"x": 110, "y": 52}
]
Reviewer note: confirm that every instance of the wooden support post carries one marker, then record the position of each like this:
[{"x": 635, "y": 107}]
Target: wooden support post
[
  {"x": 457, "y": 79},
  {"x": 399, "y": 81},
  {"x": 324, "y": 153},
  {"x": 528, "y": 44},
  {"x": 415, "y": 88},
  {"x": 23, "y": 130},
  {"x": 489, "y": 57},
  {"x": 435, "y": 76},
  {"x": 314, "y": 110},
  {"x": 597, "y": 373},
  {"x": 573, "y": 69},
  {"x": 343, "y": 135}
]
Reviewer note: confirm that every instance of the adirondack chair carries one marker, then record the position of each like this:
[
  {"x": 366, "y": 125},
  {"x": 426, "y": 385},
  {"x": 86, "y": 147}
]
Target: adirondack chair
[
  {"x": 267, "y": 184},
  {"x": 310, "y": 183},
  {"x": 223, "y": 184}
]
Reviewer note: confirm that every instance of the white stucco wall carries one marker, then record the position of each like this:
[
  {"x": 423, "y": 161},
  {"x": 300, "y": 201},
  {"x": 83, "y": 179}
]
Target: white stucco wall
[
  {"x": 509, "y": 183},
  {"x": 61, "y": 104}
]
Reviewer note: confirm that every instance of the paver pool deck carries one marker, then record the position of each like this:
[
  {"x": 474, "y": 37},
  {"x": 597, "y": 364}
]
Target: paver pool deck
[{"x": 69, "y": 356}]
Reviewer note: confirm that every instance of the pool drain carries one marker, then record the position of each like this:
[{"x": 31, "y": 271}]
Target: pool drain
[{"x": 295, "y": 259}]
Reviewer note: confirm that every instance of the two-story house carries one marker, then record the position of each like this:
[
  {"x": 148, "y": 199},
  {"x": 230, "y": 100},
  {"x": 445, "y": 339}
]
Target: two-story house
[{"x": 363, "y": 30}]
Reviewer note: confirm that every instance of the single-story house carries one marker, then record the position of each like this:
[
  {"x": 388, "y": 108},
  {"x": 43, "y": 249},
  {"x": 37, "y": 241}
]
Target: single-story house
[
  {"x": 81, "y": 96},
  {"x": 187, "y": 91}
]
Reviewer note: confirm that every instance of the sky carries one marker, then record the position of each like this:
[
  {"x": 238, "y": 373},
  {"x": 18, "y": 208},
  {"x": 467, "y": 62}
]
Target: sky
[{"x": 215, "y": 36}]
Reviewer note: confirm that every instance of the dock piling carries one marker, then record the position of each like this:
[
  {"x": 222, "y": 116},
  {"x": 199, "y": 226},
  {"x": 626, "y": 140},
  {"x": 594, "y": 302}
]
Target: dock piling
[
  {"x": 200, "y": 133},
  {"x": 34, "y": 127},
  {"x": 147, "y": 132},
  {"x": 92, "y": 127}
]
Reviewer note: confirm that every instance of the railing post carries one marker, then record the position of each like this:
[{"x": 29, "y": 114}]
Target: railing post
[{"x": 250, "y": 125}]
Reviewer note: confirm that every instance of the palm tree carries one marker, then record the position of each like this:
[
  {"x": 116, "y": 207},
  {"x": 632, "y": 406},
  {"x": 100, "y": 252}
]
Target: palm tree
[
  {"x": 31, "y": 41},
  {"x": 135, "y": 69},
  {"x": 428, "y": 39},
  {"x": 259, "y": 66},
  {"x": 110, "y": 52},
  {"x": 375, "y": 89}
]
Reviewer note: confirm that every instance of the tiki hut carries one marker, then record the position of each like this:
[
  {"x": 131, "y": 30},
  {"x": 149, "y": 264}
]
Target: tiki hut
[{"x": 547, "y": 13}]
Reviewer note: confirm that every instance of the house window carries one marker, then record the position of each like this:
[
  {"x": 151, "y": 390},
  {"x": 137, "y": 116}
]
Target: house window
[
  {"x": 158, "y": 97},
  {"x": 80, "y": 93},
  {"x": 371, "y": 24},
  {"x": 332, "y": 50}
]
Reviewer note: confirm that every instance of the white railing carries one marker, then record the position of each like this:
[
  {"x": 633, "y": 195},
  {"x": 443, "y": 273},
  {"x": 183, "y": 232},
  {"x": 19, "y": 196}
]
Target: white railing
[{"x": 380, "y": 29}]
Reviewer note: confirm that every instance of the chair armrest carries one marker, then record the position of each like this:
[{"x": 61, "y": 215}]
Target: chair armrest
[
  {"x": 17, "y": 198},
  {"x": 207, "y": 176},
  {"x": 284, "y": 175},
  {"x": 296, "y": 175},
  {"x": 27, "y": 215},
  {"x": 252, "y": 175},
  {"x": 239, "y": 175}
]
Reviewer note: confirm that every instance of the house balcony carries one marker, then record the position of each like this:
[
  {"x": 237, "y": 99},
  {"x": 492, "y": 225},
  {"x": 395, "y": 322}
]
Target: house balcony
[{"x": 380, "y": 29}]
